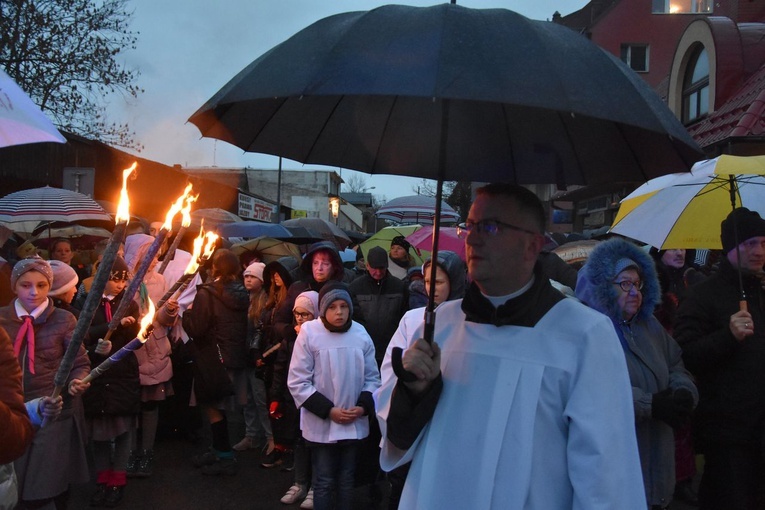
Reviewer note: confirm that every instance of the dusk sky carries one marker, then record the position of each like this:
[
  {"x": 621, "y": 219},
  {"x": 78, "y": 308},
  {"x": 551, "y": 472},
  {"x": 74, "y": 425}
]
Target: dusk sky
[{"x": 188, "y": 49}]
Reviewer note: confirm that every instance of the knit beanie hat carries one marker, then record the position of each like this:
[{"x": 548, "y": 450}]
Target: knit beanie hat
[
  {"x": 748, "y": 223},
  {"x": 64, "y": 278},
  {"x": 333, "y": 291},
  {"x": 401, "y": 241},
  {"x": 255, "y": 269},
  {"x": 31, "y": 264},
  {"x": 120, "y": 270},
  {"x": 308, "y": 300}
]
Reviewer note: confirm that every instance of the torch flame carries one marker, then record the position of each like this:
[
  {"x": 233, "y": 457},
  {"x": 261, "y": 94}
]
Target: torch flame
[
  {"x": 146, "y": 322},
  {"x": 186, "y": 211},
  {"x": 194, "y": 262},
  {"x": 175, "y": 209},
  {"x": 212, "y": 238},
  {"x": 123, "y": 208}
]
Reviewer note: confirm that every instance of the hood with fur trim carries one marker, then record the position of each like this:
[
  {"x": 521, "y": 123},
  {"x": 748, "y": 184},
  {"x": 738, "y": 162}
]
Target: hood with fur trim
[{"x": 594, "y": 287}]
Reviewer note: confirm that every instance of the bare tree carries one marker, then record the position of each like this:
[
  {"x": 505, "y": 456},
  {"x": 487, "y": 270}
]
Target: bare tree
[
  {"x": 356, "y": 183},
  {"x": 64, "y": 54},
  {"x": 426, "y": 188}
]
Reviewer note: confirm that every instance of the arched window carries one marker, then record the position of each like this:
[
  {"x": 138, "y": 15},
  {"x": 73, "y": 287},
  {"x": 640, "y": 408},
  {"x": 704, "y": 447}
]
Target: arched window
[{"x": 696, "y": 87}]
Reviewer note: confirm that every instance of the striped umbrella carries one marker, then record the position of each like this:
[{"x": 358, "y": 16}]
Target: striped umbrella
[
  {"x": 22, "y": 211},
  {"x": 416, "y": 209}
]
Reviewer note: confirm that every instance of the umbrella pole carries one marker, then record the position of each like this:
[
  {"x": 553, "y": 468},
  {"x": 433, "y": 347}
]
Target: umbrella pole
[
  {"x": 733, "y": 192},
  {"x": 430, "y": 312}
]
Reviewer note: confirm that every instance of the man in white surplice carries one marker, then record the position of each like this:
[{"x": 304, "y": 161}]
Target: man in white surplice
[{"x": 523, "y": 401}]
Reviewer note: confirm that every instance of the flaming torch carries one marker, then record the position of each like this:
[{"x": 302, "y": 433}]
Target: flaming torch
[
  {"x": 135, "y": 282},
  {"x": 131, "y": 346},
  {"x": 186, "y": 212},
  {"x": 97, "y": 288},
  {"x": 189, "y": 272}
]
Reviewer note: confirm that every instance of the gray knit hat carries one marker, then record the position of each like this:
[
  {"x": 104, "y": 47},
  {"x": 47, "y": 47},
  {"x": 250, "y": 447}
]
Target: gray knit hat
[
  {"x": 64, "y": 278},
  {"x": 333, "y": 291}
]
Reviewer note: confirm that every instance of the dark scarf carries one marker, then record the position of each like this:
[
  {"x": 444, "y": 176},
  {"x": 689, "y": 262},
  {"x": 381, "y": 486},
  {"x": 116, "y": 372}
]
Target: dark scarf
[
  {"x": 337, "y": 329},
  {"x": 524, "y": 310}
]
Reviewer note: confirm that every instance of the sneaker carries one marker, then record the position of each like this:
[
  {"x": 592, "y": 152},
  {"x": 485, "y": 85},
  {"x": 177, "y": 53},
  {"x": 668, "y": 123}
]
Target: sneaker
[
  {"x": 114, "y": 494},
  {"x": 97, "y": 499},
  {"x": 228, "y": 467},
  {"x": 294, "y": 494},
  {"x": 146, "y": 465},
  {"x": 245, "y": 444},
  {"x": 273, "y": 459},
  {"x": 133, "y": 462},
  {"x": 307, "y": 503},
  {"x": 204, "y": 459}
]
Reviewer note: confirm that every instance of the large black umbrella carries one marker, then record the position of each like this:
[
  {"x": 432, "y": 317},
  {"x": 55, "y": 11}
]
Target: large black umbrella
[{"x": 448, "y": 92}]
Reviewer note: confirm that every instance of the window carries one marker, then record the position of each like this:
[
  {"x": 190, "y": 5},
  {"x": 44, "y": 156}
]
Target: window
[
  {"x": 681, "y": 6},
  {"x": 696, "y": 87},
  {"x": 635, "y": 56}
]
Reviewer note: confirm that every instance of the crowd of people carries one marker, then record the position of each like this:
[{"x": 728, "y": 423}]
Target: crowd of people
[{"x": 541, "y": 387}]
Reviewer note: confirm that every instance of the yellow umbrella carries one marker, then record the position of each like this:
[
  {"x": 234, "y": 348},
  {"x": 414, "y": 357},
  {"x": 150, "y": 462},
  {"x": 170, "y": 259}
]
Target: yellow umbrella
[{"x": 686, "y": 210}]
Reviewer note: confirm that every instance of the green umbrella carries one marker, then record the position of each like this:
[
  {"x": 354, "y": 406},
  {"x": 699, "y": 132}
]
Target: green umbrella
[{"x": 384, "y": 236}]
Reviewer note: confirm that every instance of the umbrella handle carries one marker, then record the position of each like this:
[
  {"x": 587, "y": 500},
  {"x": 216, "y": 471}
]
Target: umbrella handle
[{"x": 398, "y": 366}]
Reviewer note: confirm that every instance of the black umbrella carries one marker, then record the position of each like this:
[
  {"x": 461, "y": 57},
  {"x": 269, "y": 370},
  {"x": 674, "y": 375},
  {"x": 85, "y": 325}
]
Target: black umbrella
[{"x": 447, "y": 92}]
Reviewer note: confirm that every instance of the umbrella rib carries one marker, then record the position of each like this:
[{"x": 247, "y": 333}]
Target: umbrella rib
[{"x": 509, "y": 141}]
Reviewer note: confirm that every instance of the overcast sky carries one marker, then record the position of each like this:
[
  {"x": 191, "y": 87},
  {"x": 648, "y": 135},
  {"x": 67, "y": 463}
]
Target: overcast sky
[{"x": 188, "y": 49}]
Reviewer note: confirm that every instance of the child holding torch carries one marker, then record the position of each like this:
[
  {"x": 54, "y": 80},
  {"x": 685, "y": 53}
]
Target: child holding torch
[
  {"x": 113, "y": 401},
  {"x": 41, "y": 333}
]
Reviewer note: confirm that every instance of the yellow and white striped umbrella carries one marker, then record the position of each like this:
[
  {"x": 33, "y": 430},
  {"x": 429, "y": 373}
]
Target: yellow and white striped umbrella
[{"x": 685, "y": 210}]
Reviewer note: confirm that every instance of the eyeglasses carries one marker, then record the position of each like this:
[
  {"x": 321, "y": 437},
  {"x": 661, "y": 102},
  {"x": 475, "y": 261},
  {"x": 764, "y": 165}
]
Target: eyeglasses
[
  {"x": 302, "y": 315},
  {"x": 627, "y": 285},
  {"x": 489, "y": 227}
]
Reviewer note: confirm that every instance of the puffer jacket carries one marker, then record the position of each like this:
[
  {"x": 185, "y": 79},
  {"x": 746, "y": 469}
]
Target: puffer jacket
[
  {"x": 654, "y": 359},
  {"x": 154, "y": 363},
  {"x": 15, "y": 427},
  {"x": 219, "y": 316},
  {"x": 53, "y": 332}
]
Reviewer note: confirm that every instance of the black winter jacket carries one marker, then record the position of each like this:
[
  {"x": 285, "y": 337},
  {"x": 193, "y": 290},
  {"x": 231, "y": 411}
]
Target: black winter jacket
[
  {"x": 219, "y": 316},
  {"x": 118, "y": 390},
  {"x": 729, "y": 374}
]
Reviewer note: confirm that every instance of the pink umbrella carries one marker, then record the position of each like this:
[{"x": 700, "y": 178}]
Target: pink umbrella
[{"x": 422, "y": 239}]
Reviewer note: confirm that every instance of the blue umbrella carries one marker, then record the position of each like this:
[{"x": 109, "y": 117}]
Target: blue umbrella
[{"x": 253, "y": 229}]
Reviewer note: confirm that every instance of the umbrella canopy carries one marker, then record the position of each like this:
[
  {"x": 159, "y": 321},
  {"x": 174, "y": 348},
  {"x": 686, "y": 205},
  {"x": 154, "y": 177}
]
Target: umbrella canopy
[
  {"x": 575, "y": 253},
  {"x": 417, "y": 209},
  {"x": 269, "y": 248},
  {"x": 448, "y": 92},
  {"x": 686, "y": 210},
  {"x": 23, "y": 211},
  {"x": 422, "y": 239},
  {"x": 328, "y": 231},
  {"x": 21, "y": 121},
  {"x": 81, "y": 236},
  {"x": 253, "y": 229},
  {"x": 384, "y": 236},
  {"x": 303, "y": 235},
  {"x": 213, "y": 217}
]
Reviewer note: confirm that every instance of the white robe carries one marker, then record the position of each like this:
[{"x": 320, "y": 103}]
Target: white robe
[
  {"x": 529, "y": 418},
  {"x": 338, "y": 365}
]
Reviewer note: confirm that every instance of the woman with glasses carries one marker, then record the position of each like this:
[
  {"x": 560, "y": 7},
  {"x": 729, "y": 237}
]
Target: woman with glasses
[{"x": 620, "y": 281}]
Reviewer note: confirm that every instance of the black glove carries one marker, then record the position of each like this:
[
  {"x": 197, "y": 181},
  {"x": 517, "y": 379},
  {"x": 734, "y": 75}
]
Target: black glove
[{"x": 672, "y": 409}]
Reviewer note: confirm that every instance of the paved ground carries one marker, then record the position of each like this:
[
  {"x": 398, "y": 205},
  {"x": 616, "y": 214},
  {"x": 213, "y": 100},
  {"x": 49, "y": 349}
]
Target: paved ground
[{"x": 177, "y": 485}]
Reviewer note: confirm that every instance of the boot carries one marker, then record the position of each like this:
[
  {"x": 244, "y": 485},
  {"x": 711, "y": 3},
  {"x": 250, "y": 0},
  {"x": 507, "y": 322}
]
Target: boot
[
  {"x": 134, "y": 461},
  {"x": 114, "y": 494},
  {"x": 97, "y": 499},
  {"x": 146, "y": 466}
]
